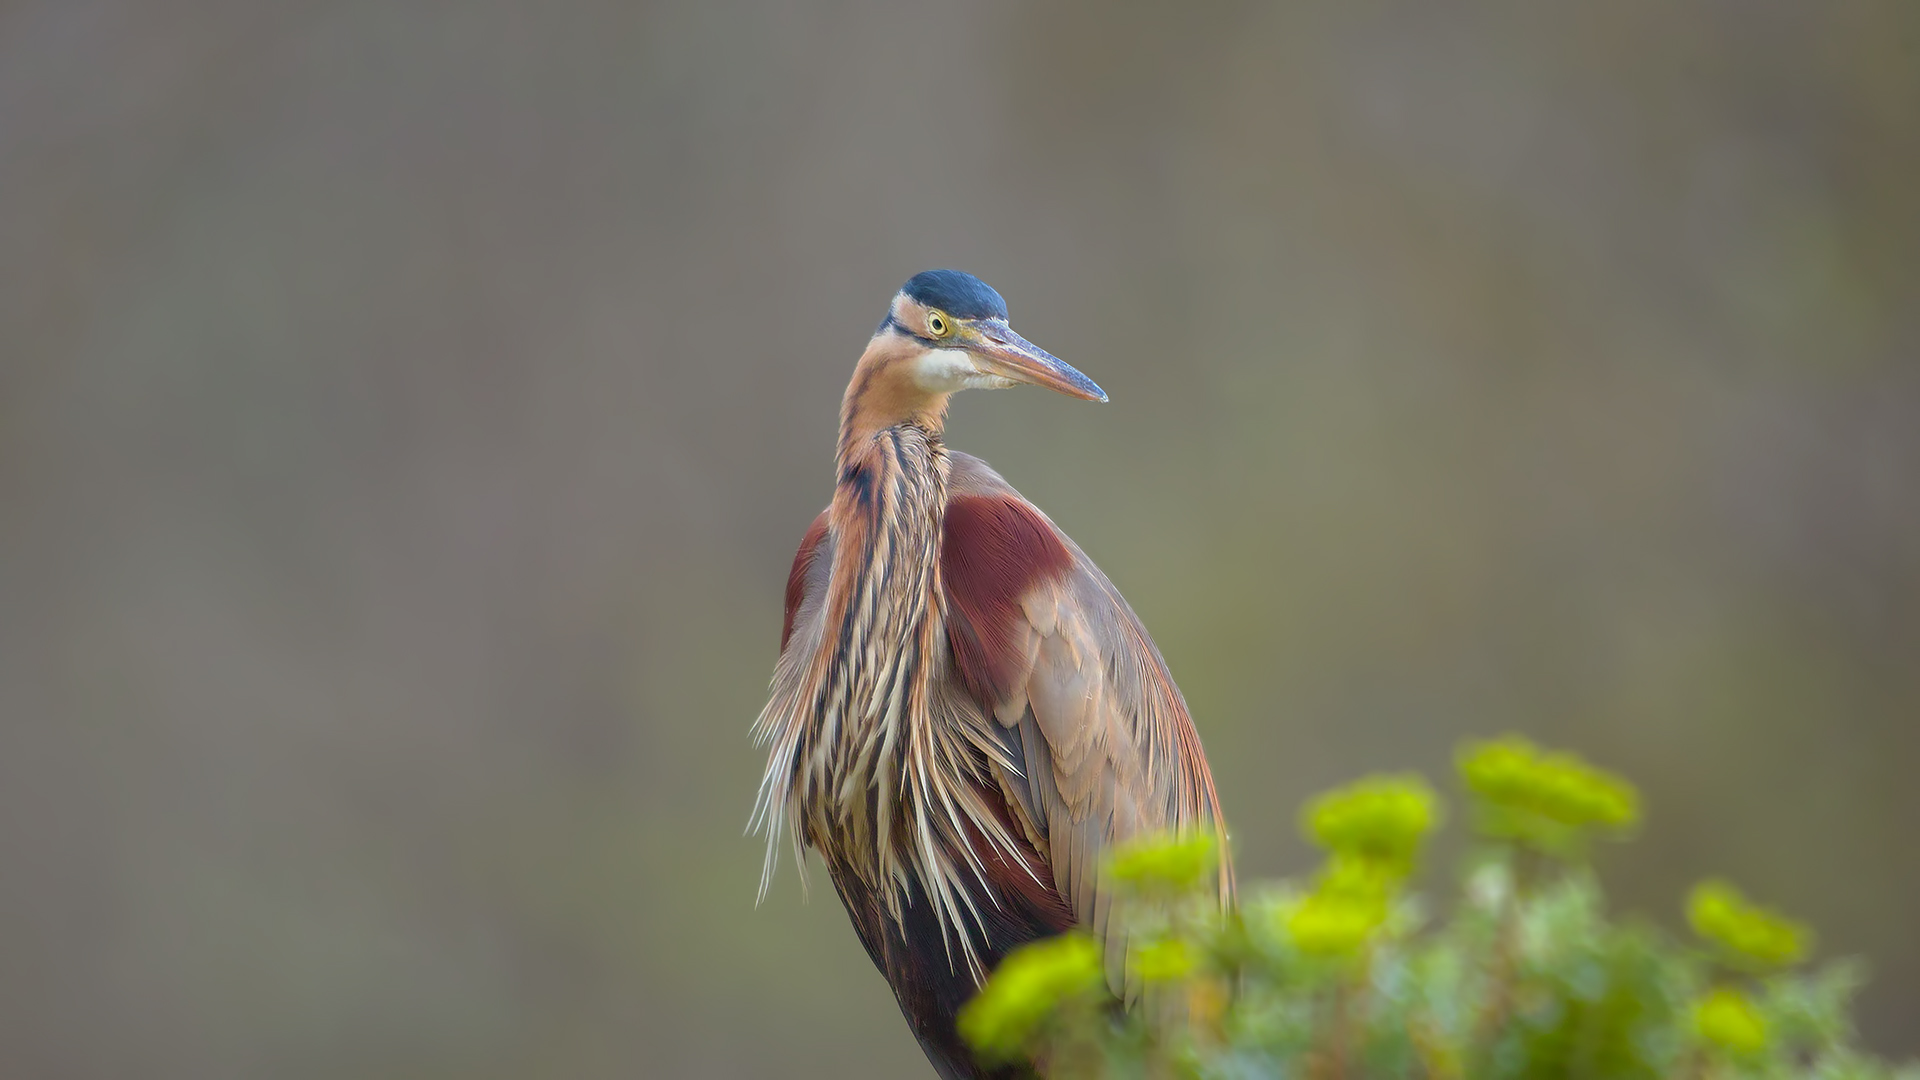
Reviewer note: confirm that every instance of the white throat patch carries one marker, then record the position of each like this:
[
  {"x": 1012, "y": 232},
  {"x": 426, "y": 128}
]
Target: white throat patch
[{"x": 947, "y": 370}]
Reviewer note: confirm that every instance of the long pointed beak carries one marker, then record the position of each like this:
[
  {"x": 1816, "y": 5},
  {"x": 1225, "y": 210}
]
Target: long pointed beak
[{"x": 1016, "y": 358}]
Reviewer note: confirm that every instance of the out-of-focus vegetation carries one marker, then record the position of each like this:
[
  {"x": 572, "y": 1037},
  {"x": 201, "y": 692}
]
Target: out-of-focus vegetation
[{"x": 1351, "y": 974}]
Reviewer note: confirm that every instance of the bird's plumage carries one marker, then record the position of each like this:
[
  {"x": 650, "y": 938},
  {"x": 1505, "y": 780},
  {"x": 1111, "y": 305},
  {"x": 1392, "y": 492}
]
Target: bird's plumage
[{"x": 965, "y": 715}]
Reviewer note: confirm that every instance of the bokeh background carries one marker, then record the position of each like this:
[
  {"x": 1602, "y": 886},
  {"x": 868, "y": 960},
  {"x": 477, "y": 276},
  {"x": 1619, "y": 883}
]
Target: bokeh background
[{"x": 408, "y": 411}]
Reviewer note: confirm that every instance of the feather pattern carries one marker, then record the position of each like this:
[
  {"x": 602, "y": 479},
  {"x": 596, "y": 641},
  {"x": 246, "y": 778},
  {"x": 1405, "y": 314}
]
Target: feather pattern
[
  {"x": 869, "y": 758},
  {"x": 951, "y": 647}
]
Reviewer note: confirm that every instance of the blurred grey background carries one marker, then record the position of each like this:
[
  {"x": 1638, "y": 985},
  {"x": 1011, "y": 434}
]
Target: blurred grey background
[{"x": 408, "y": 411}]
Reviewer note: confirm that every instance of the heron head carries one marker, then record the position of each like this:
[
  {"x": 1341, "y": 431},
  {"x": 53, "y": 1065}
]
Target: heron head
[{"x": 956, "y": 336}]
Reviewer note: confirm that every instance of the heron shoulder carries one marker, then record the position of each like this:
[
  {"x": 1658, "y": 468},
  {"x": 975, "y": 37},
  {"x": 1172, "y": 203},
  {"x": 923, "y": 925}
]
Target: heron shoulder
[
  {"x": 971, "y": 476},
  {"x": 996, "y": 550}
]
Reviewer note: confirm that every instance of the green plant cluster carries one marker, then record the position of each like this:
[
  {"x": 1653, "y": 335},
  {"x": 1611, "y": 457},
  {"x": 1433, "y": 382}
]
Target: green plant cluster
[
  {"x": 1549, "y": 801},
  {"x": 1345, "y": 974}
]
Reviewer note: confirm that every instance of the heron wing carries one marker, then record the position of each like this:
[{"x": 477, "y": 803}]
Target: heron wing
[{"x": 1103, "y": 739}]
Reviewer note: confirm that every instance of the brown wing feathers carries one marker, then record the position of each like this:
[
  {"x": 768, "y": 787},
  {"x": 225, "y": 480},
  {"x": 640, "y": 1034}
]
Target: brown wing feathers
[
  {"x": 995, "y": 550},
  {"x": 1107, "y": 746},
  {"x": 797, "y": 577}
]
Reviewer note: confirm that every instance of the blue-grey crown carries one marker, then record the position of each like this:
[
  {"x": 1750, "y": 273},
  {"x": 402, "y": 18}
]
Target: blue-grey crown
[{"x": 959, "y": 294}]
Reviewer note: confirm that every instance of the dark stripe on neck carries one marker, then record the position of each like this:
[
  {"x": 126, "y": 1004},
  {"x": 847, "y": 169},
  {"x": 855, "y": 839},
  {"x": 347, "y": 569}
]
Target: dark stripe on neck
[{"x": 857, "y": 477}]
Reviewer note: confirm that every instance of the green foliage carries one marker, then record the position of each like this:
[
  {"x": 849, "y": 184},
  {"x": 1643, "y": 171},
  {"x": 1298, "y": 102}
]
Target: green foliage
[
  {"x": 1728, "y": 1018},
  {"x": 1032, "y": 987},
  {"x": 1382, "y": 819},
  {"x": 1747, "y": 936},
  {"x": 1344, "y": 975},
  {"x": 1165, "y": 865},
  {"x": 1544, "y": 801}
]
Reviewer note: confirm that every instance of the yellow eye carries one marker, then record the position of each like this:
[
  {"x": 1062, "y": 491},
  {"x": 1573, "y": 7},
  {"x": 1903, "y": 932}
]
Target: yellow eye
[{"x": 937, "y": 324}]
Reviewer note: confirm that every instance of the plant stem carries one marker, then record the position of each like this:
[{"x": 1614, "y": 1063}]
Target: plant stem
[{"x": 1499, "y": 1001}]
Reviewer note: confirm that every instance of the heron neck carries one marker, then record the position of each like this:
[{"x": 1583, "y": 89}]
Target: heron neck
[
  {"x": 883, "y": 636},
  {"x": 883, "y": 394},
  {"x": 890, "y": 495}
]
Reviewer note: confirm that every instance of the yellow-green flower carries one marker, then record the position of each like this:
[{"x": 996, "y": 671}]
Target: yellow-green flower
[
  {"x": 1728, "y": 1019},
  {"x": 1514, "y": 776},
  {"x": 1334, "y": 925},
  {"x": 1749, "y": 935},
  {"x": 1356, "y": 879},
  {"x": 1351, "y": 899},
  {"x": 1381, "y": 818},
  {"x": 1030, "y": 984},
  {"x": 1168, "y": 959},
  {"x": 1165, "y": 863}
]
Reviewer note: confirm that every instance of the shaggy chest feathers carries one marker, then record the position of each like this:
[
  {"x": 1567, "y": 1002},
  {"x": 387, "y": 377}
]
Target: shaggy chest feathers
[{"x": 884, "y": 765}]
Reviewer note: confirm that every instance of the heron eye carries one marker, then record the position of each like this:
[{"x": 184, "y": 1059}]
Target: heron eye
[{"x": 937, "y": 324}]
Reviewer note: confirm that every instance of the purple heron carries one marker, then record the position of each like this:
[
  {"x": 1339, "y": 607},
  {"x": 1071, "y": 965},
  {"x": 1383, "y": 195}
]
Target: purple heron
[{"x": 965, "y": 714}]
